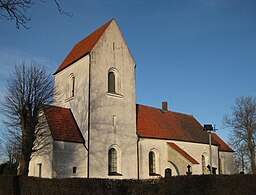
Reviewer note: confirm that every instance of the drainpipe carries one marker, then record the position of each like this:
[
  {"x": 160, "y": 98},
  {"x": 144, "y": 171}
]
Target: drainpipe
[
  {"x": 138, "y": 158},
  {"x": 219, "y": 159},
  {"x": 138, "y": 137},
  {"x": 210, "y": 149},
  {"x": 89, "y": 116}
]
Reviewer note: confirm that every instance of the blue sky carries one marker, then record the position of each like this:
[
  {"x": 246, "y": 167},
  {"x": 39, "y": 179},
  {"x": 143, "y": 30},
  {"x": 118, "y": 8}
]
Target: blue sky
[{"x": 199, "y": 55}]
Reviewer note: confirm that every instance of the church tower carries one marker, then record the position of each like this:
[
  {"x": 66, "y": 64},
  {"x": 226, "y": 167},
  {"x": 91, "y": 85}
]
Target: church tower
[{"x": 97, "y": 82}]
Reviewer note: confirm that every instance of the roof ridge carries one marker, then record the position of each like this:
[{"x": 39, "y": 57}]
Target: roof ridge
[
  {"x": 152, "y": 123},
  {"x": 56, "y": 106},
  {"x": 190, "y": 115}
]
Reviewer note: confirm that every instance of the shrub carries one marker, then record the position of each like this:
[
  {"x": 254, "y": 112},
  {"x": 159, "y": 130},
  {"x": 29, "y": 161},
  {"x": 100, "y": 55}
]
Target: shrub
[{"x": 201, "y": 184}]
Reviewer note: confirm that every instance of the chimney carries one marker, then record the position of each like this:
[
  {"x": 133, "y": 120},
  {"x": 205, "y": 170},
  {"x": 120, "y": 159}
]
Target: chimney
[{"x": 165, "y": 106}]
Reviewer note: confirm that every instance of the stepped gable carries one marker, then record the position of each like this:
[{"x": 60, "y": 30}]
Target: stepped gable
[
  {"x": 159, "y": 124},
  {"x": 62, "y": 124},
  {"x": 83, "y": 47}
]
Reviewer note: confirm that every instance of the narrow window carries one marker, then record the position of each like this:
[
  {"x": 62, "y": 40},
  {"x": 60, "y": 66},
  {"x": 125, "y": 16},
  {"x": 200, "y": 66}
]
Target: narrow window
[
  {"x": 112, "y": 161},
  {"x": 220, "y": 164},
  {"x": 72, "y": 86},
  {"x": 39, "y": 169},
  {"x": 111, "y": 83},
  {"x": 203, "y": 165},
  {"x": 74, "y": 170},
  {"x": 152, "y": 163}
]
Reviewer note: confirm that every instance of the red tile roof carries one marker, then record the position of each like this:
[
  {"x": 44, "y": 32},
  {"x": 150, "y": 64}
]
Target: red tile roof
[
  {"x": 182, "y": 152},
  {"x": 222, "y": 145},
  {"x": 155, "y": 123},
  {"x": 62, "y": 124},
  {"x": 83, "y": 47}
]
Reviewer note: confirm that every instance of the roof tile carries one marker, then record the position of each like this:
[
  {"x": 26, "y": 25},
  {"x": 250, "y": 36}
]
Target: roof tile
[
  {"x": 182, "y": 152},
  {"x": 83, "y": 47},
  {"x": 155, "y": 123},
  {"x": 62, "y": 124},
  {"x": 222, "y": 145}
]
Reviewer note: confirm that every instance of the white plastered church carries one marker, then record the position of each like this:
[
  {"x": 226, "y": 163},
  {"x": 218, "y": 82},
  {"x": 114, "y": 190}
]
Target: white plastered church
[{"x": 98, "y": 131}]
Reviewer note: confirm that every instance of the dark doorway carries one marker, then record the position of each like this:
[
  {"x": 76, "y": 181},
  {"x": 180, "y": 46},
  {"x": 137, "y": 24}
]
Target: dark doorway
[{"x": 168, "y": 172}]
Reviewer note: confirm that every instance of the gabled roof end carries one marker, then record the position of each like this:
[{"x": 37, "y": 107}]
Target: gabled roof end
[{"x": 83, "y": 47}]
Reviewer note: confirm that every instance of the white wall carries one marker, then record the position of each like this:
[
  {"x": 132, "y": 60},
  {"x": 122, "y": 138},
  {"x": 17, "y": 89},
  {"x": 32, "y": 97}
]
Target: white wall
[
  {"x": 79, "y": 103},
  {"x": 227, "y": 162},
  {"x": 43, "y": 147},
  {"x": 46, "y": 166},
  {"x": 193, "y": 149},
  {"x": 105, "y": 130},
  {"x": 196, "y": 150},
  {"x": 59, "y": 162},
  {"x": 67, "y": 155}
]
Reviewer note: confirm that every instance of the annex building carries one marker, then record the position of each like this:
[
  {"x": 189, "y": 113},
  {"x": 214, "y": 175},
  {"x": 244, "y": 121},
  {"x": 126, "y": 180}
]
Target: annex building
[{"x": 97, "y": 130}]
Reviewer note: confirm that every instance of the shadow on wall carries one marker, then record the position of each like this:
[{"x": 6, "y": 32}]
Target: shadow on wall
[
  {"x": 105, "y": 132},
  {"x": 175, "y": 168}
]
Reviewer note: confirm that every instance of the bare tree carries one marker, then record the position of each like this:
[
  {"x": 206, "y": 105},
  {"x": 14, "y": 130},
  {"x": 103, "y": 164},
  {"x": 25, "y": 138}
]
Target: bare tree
[
  {"x": 242, "y": 121},
  {"x": 17, "y": 10},
  {"x": 29, "y": 87},
  {"x": 241, "y": 158},
  {"x": 13, "y": 151},
  {"x": 1, "y": 153}
]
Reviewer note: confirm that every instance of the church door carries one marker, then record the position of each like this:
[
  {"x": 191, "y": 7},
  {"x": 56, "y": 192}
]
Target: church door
[{"x": 168, "y": 172}]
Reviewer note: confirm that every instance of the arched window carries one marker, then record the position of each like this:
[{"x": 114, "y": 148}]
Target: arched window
[
  {"x": 111, "y": 82},
  {"x": 204, "y": 169},
  {"x": 112, "y": 161},
  {"x": 152, "y": 163},
  {"x": 168, "y": 172},
  {"x": 71, "y": 86},
  {"x": 114, "y": 84},
  {"x": 221, "y": 165}
]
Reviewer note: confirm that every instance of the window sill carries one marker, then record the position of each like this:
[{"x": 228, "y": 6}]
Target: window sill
[
  {"x": 154, "y": 174},
  {"x": 68, "y": 99},
  {"x": 114, "y": 174},
  {"x": 115, "y": 95}
]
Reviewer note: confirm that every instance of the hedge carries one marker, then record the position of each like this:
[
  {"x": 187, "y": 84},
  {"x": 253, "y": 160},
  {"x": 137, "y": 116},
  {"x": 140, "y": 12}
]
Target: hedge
[{"x": 201, "y": 184}]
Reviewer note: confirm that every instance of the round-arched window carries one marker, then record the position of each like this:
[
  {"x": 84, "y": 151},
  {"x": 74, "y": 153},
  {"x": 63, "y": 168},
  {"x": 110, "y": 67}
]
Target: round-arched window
[{"x": 114, "y": 84}]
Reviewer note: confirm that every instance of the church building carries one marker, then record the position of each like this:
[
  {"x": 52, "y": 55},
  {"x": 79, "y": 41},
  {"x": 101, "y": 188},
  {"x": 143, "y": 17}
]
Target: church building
[{"x": 98, "y": 131}]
